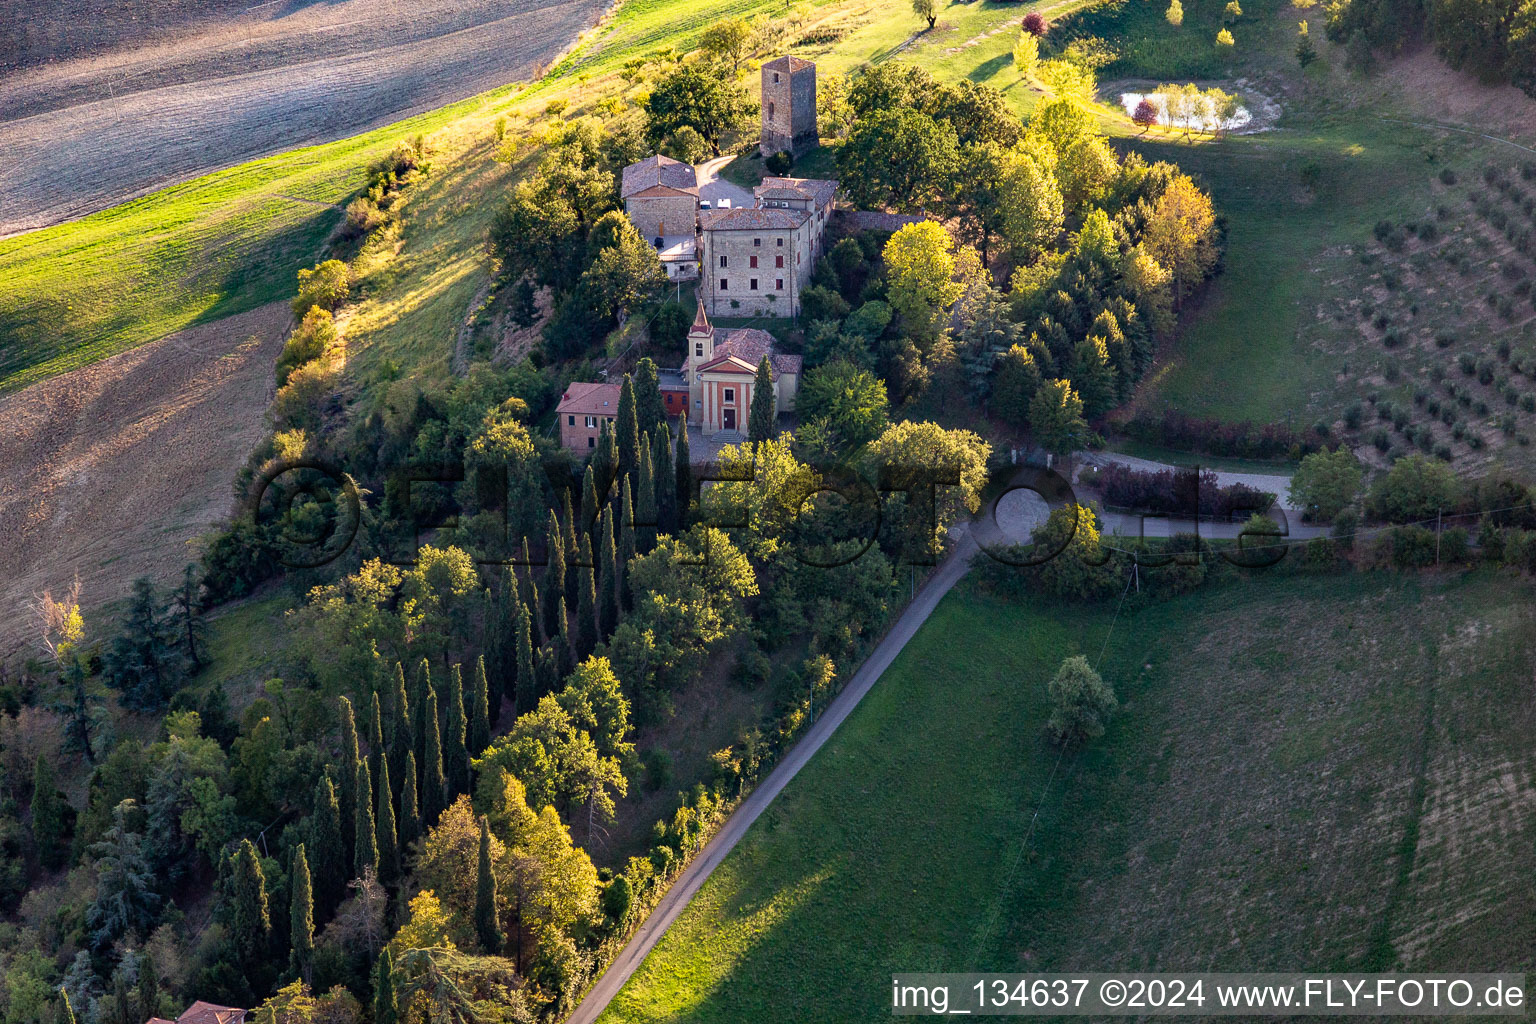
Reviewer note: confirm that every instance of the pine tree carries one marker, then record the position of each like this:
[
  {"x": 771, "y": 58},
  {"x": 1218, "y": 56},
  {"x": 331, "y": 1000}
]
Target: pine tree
[
  {"x": 645, "y": 504},
  {"x": 627, "y": 546},
  {"x": 480, "y": 712},
  {"x": 77, "y": 723},
  {"x": 627, "y": 426},
  {"x": 527, "y": 682},
  {"x": 762, "y": 419},
  {"x": 250, "y": 925},
  {"x": 608, "y": 581},
  {"x": 347, "y": 787},
  {"x": 365, "y": 843},
  {"x": 684, "y": 469},
  {"x": 554, "y": 576},
  {"x": 388, "y": 842},
  {"x": 386, "y": 1009},
  {"x": 434, "y": 787},
  {"x": 401, "y": 739},
  {"x": 187, "y": 618},
  {"x": 301, "y": 918},
  {"x": 378, "y": 757},
  {"x": 410, "y": 807},
  {"x": 666, "y": 490},
  {"x": 487, "y": 922},
  {"x": 140, "y": 662},
  {"x": 650, "y": 410},
  {"x": 585, "y": 639},
  {"x": 455, "y": 738},
  {"x": 48, "y": 829},
  {"x": 325, "y": 838}
]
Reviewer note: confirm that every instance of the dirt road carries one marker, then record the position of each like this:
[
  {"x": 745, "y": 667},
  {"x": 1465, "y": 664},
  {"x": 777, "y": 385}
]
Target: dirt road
[
  {"x": 226, "y": 84},
  {"x": 111, "y": 470},
  {"x": 699, "y": 869}
]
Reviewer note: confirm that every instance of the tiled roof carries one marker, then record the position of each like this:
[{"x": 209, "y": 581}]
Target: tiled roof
[
  {"x": 821, "y": 190},
  {"x": 659, "y": 170},
  {"x": 753, "y": 219},
  {"x": 747, "y": 346},
  {"x": 211, "y": 1013},
  {"x": 590, "y": 399},
  {"x": 700, "y": 320},
  {"x": 159, "y": 1020},
  {"x": 788, "y": 63}
]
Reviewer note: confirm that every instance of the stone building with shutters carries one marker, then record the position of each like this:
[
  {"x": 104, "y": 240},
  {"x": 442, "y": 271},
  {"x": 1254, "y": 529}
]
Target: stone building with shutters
[{"x": 757, "y": 260}]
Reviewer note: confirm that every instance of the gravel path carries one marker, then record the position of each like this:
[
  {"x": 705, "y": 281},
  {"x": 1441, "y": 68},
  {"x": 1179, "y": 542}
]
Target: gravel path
[{"x": 83, "y": 133}]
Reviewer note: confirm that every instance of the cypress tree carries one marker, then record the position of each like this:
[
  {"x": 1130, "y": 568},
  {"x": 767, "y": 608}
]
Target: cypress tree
[
  {"x": 666, "y": 491},
  {"x": 250, "y": 925},
  {"x": 547, "y": 668},
  {"x": 480, "y": 712},
  {"x": 588, "y": 500},
  {"x": 325, "y": 838},
  {"x": 627, "y": 547},
  {"x": 627, "y": 426},
  {"x": 378, "y": 757},
  {"x": 387, "y": 839},
  {"x": 301, "y": 918},
  {"x": 487, "y": 924},
  {"x": 501, "y": 668},
  {"x": 386, "y": 1009},
  {"x": 347, "y": 767},
  {"x": 684, "y": 470},
  {"x": 763, "y": 416},
  {"x": 47, "y": 815},
  {"x": 650, "y": 410},
  {"x": 645, "y": 503},
  {"x": 401, "y": 740},
  {"x": 365, "y": 843},
  {"x": 608, "y": 454},
  {"x": 434, "y": 787},
  {"x": 410, "y": 807},
  {"x": 608, "y": 582},
  {"x": 586, "y": 605},
  {"x": 527, "y": 682},
  {"x": 564, "y": 651},
  {"x": 419, "y": 710},
  {"x": 455, "y": 748},
  {"x": 568, "y": 525},
  {"x": 147, "y": 991},
  {"x": 554, "y": 576}
]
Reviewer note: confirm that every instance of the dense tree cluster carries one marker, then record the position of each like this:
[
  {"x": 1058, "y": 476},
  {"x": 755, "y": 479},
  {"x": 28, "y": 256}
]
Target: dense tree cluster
[{"x": 1492, "y": 39}]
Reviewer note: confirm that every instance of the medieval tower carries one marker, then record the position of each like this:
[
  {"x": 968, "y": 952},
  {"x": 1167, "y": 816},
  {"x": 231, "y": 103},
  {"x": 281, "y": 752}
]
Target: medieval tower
[{"x": 789, "y": 106}]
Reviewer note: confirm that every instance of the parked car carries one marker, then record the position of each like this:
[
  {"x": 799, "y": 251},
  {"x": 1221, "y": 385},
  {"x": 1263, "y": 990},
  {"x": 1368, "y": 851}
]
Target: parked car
[{"x": 704, "y": 204}]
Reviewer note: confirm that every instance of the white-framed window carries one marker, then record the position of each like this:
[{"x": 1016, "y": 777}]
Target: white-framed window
[
  {"x": 779, "y": 242},
  {"x": 757, "y": 243},
  {"x": 730, "y": 394},
  {"x": 591, "y": 422},
  {"x": 698, "y": 350},
  {"x": 723, "y": 261}
]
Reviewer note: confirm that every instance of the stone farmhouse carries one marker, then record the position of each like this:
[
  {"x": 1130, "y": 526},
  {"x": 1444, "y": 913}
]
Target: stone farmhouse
[
  {"x": 206, "y": 1013},
  {"x": 722, "y": 371},
  {"x": 585, "y": 408},
  {"x": 661, "y": 198}
]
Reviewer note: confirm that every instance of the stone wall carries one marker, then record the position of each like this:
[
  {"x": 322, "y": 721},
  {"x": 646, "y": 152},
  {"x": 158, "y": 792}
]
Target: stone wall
[{"x": 663, "y": 215}]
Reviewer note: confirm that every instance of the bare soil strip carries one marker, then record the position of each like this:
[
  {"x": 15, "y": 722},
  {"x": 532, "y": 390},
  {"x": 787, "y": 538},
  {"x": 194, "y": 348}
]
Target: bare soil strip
[
  {"x": 86, "y": 132},
  {"x": 111, "y": 471}
]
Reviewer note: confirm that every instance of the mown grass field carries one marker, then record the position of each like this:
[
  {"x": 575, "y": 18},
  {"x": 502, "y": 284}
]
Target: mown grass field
[{"x": 1306, "y": 773}]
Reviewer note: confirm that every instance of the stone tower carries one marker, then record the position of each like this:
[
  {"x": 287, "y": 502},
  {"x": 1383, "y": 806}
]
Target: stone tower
[{"x": 789, "y": 106}]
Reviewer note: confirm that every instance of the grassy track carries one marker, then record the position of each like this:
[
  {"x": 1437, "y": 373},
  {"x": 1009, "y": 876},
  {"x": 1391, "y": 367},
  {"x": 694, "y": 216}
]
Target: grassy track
[{"x": 1269, "y": 798}]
